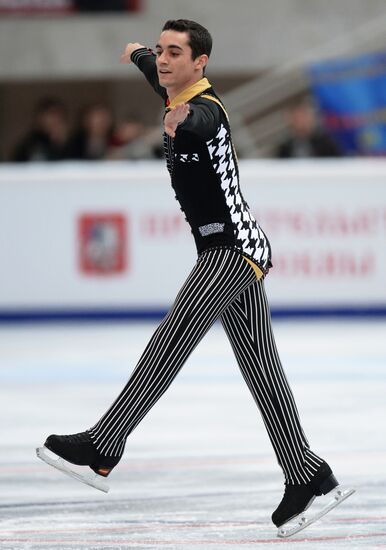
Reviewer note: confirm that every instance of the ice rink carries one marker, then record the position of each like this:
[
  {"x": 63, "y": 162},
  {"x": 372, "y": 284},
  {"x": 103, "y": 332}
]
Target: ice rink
[{"x": 199, "y": 471}]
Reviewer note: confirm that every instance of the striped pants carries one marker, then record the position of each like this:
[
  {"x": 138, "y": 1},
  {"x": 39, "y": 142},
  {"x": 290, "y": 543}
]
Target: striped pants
[{"x": 222, "y": 285}]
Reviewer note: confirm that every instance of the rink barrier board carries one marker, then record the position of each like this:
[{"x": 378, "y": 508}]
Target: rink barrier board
[
  {"x": 81, "y": 241},
  {"x": 90, "y": 315}
]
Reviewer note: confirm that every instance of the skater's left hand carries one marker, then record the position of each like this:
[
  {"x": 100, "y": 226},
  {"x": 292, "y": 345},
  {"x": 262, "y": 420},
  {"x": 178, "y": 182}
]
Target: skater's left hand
[{"x": 174, "y": 117}]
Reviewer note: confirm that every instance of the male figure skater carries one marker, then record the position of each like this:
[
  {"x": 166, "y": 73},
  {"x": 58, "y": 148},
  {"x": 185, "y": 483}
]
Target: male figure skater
[{"x": 226, "y": 282}]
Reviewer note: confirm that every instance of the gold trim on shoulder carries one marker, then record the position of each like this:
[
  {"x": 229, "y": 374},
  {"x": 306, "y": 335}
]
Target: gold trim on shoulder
[
  {"x": 189, "y": 93},
  {"x": 212, "y": 98}
]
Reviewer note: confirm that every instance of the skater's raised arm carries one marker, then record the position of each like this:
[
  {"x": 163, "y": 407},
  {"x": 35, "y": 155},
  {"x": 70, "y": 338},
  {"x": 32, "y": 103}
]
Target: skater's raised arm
[
  {"x": 145, "y": 59},
  {"x": 201, "y": 117}
]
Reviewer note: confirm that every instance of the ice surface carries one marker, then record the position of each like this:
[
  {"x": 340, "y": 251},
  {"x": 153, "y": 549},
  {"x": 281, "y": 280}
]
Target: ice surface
[{"x": 199, "y": 470}]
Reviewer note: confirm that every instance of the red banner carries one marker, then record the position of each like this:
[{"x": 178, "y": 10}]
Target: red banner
[{"x": 60, "y": 7}]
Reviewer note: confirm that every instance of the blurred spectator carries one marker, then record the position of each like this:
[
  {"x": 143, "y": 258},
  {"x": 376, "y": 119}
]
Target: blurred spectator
[
  {"x": 133, "y": 141},
  {"x": 93, "y": 138},
  {"x": 306, "y": 138},
  {"x": 48, "y": 138}
]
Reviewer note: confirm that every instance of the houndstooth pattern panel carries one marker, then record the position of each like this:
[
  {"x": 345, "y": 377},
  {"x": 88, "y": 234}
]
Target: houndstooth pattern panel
[{"x": 249, "y": 236}]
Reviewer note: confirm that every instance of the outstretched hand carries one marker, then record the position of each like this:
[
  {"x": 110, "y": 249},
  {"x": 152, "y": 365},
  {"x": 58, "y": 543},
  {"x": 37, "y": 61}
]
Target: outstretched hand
[
  {"x": 130, "y": 48},
  {"x": 174, "y": 117}
]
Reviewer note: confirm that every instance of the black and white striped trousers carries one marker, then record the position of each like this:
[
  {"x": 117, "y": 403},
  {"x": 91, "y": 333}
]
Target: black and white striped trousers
[{"x": 221, "y": 285}]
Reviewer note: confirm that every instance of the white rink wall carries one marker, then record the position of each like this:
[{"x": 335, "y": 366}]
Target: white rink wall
[{"x": 103, "y": 238}]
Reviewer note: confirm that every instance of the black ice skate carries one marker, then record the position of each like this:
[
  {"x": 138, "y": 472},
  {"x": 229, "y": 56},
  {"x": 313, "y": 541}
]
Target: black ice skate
[
  {"x": 298, "y": 498},
  {"x": 78, "y": 449}
]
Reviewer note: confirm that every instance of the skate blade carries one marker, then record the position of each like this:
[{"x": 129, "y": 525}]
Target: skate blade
[
  {"x": 94, "y": 480},
  {"x": 303, "y": 520}
]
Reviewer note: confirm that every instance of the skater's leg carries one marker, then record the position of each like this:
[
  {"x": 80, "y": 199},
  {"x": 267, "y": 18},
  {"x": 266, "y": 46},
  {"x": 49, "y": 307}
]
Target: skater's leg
[
  {"x": 247, "y": 323},
  {"x": 218, "y": 277}
]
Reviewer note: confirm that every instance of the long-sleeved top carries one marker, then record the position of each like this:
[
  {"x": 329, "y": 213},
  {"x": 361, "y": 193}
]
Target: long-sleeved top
[{"x": 204, "y": 171}]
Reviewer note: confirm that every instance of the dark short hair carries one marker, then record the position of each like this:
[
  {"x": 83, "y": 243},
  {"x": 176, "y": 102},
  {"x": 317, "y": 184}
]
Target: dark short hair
[{"x": 200, "y": 39}]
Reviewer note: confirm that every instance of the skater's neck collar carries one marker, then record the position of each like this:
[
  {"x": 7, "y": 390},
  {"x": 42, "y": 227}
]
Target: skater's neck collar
[{"x": 187, "y": 94}]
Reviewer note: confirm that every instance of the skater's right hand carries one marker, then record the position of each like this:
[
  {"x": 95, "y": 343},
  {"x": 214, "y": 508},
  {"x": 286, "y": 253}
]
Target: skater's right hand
[
  {"x": 174, "y": 117},
  {"x": 130, "y": 48}
]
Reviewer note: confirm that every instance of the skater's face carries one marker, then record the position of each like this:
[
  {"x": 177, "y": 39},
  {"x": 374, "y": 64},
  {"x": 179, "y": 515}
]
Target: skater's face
[{"x": 175, "y": 66}]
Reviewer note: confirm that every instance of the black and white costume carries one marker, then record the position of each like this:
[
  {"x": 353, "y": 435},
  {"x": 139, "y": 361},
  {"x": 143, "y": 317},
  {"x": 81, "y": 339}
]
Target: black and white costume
[
  {"x": 204, "y": 171},
  {"x": 226, "y": 283}
]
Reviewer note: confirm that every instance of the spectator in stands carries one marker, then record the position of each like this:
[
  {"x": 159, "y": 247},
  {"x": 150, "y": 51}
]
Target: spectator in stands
[
  {"x": 92, "y": 140},
  {"x": 48, "y": 138},
  {"x": 133, "y": 141},
  {"x": 306, "y": 138}
]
